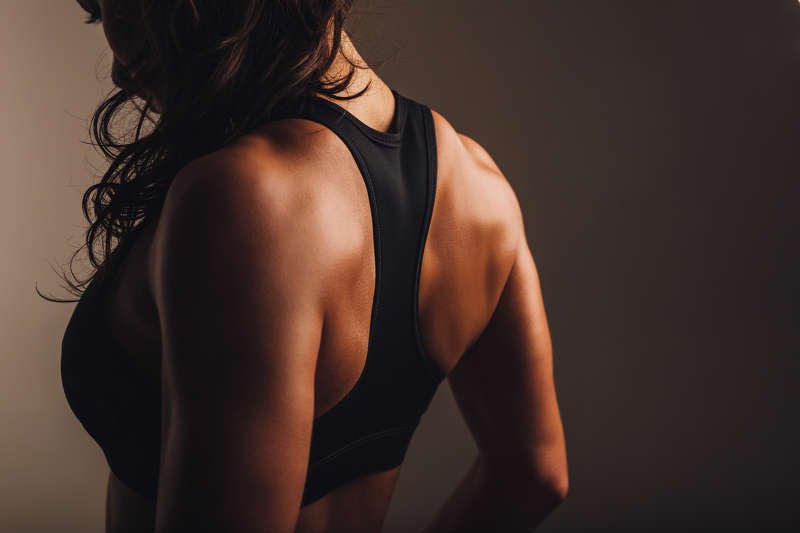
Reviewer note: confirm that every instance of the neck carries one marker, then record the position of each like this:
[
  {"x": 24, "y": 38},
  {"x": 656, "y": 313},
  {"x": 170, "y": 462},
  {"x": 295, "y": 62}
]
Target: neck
[{"x": 363, "y": 73}]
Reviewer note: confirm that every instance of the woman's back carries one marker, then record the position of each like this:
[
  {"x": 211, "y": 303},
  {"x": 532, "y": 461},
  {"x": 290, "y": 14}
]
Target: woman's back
[{"x": 468, "y": 253}]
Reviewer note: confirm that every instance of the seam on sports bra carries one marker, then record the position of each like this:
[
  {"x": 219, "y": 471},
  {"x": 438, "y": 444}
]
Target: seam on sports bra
[
  {"x": 359, "y": 442},
  {"x": 377, "y": 301},
  {"x": 435, "y": 372},
  {"x": 391, "y": 139}
]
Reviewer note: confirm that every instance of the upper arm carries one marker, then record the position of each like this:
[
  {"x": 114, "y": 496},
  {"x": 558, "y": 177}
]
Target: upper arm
[
  {"x": 504, "y": 384},
  {"x": 238, "y": 295}
]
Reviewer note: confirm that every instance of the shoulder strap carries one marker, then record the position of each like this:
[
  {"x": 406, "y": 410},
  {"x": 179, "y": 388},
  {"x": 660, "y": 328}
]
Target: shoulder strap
[{"x": 399, "y": 171}]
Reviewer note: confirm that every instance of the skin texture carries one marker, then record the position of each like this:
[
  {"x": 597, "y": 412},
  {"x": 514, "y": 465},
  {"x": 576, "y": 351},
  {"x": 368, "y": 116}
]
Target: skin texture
[
  {"x": 239, "y": 357},
  {"x": 252, "y": 294}
]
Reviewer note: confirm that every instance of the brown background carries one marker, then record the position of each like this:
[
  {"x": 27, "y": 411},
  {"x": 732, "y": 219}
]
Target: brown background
[{"x": 653, "y": 146}]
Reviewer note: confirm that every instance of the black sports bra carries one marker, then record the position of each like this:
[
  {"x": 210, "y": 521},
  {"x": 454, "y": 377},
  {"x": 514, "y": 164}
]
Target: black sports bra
[{"x": 368, "y": 431}]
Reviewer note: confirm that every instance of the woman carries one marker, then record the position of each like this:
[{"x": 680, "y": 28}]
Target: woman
[{"x": 286, "y": 296}]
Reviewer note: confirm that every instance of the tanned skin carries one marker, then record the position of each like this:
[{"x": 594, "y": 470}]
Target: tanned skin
[{"x": 252, "y": 293}]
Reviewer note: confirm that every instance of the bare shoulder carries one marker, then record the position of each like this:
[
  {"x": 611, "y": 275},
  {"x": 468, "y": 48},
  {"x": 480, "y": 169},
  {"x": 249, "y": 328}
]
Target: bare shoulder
[
  {"x": 250, "y": 202},
  {"x": 503, "y": 383},
  {"x": 241, "y": 276},
  {"x": 476, "y": 182}
]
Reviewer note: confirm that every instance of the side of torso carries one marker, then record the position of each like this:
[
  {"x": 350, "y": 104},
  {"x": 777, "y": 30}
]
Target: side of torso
[{"x": 460, "y": 282}]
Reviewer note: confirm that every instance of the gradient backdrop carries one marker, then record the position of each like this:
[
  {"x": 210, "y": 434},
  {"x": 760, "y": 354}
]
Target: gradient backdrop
[{"x": 654, "y": 148}]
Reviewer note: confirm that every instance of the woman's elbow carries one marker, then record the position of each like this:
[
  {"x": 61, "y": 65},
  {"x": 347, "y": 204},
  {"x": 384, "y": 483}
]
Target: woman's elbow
[{"x": 550, "y": 484}]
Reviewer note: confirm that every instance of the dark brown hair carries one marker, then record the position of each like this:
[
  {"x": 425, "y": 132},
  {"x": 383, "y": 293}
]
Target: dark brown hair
[{"x": 207, "y": 72}]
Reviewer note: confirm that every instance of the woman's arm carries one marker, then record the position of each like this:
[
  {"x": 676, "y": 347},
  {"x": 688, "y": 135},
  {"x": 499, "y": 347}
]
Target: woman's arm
[
  {"x": 236, "y": 270},
  {"x": 504, "y": 387}
]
